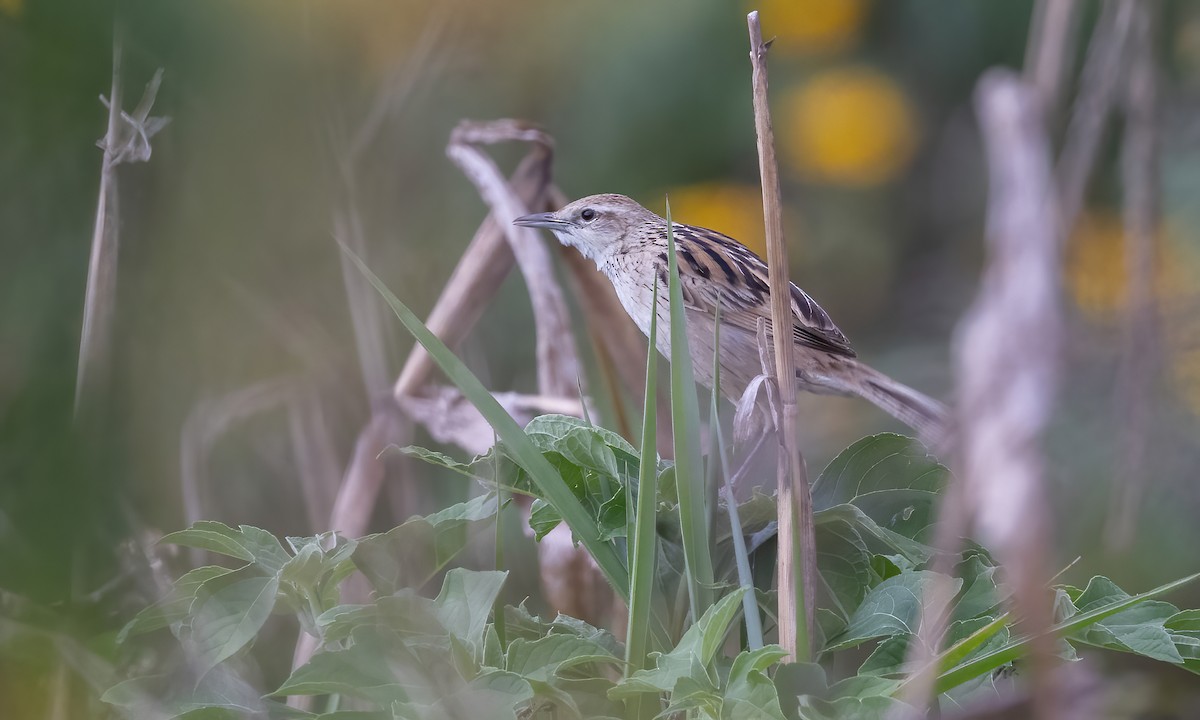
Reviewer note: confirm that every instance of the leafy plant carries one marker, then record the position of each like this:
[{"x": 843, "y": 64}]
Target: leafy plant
[{"x": 462, "y": 654}]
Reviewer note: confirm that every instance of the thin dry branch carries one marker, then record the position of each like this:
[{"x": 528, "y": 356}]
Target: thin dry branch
[
  {"x": 126, "y": 140},
  {"x": 796, "y": 566},
  {"x": 480, "y": 271},
  {"x": 1142, "y": 343},
  {"x": 1007, "y": 390},
  {"x": 558, "y": 367},
  {"x": 205, "y": 424},
  {"x": 1100, "y": 82},
  {"x": 1050, "y": 48}
]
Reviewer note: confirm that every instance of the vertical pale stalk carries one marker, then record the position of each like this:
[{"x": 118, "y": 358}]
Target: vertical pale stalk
[
  {"x": 796, "y": 563},
  {"x": 644, "y": 539},
  {"x": 689, "y": 469}
]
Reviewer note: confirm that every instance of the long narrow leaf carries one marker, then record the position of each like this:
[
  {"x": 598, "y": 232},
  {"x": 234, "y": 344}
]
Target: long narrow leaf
[
  {"x": 754, "y": 635},
  {"x": 549, "y": 482},
  {"x": 645, "y": 535},
  {"x": 689, "y": 469},
  {"x": 969, "y": 670}
]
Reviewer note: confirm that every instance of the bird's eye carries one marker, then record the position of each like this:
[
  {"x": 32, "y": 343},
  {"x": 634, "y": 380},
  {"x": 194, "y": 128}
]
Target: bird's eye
[{"x": 587, "y": 215}]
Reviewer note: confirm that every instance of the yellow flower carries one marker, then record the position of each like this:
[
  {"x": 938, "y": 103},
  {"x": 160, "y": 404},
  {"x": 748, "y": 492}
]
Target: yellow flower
[
  {"x": 735, "y": 210},
  {"x": 1096, "y": 270},
  {"x": 812, "y": 26},
  {"x": 1096, "y": 279},
  {"x": 848, "y": 126},
  {"x": 11, "y": 7}
]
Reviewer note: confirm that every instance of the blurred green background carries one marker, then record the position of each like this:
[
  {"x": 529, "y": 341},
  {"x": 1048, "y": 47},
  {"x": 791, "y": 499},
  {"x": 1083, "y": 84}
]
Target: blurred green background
[{"x": 229, "y": 272}]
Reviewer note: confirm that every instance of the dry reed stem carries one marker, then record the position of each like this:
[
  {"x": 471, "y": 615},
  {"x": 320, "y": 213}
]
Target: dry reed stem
[
  {"x": 1140, "y": 350},
  {"x": 476, "y": 279},
  {"x": 796, "y": 574},
  {"x": 204, "y": 425},
  {"x": 1007, "y": 389},
  {"x": 317, "y": 464},
  {"x": 1050, "y": 49},
  {"x": 126, "y": 140},
  {"x": 1099, "y": 83},
  {"x": 557, "y": 364}
]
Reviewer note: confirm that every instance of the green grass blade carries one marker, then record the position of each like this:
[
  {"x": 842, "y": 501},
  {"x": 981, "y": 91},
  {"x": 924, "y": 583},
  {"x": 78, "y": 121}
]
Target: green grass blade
[
  {"x": 689, "y": 468},
  {"x": 754, "y": 634},
  {"x": 644, "y": 538},
  {"x": 543, "y": 474},
  {"x": 973, "y": 669}
]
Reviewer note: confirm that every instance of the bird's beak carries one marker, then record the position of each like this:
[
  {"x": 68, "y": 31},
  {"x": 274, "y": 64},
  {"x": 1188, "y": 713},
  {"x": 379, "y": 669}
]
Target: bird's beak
[{"x": 540, "y": 220}]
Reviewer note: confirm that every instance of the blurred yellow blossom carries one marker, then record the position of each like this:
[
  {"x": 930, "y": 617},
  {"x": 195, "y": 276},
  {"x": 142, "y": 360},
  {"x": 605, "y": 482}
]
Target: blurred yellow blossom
[
  {"x": 848, "y": 126},
  {"x": 11, "y": 7},
  {"x": 735, "y": 210},
  {"x": 1096, "y": 279},
  {"x": 1095, "y": 266},
  {"x": 812, "y": 26}
]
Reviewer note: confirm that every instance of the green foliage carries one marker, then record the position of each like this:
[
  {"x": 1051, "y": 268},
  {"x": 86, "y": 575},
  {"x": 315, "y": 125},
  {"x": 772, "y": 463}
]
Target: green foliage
[{"x": 408, "y": 656}]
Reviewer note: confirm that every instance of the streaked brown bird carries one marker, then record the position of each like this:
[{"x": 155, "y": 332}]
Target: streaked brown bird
[{"x": 629, "y": 245}]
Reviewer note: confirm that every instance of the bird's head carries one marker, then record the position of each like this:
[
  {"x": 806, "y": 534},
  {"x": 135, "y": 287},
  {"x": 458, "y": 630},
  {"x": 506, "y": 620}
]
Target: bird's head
[{"x": 592, "y": 224}]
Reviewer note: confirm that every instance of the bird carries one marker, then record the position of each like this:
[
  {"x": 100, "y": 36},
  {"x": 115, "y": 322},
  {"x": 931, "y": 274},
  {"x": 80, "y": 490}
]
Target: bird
[{"x": 628, "y": 244}]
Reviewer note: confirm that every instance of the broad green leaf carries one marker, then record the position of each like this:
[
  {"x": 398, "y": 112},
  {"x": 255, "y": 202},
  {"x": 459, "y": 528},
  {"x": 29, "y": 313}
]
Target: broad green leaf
[
  {"x": 523, "y": 452},
  {"x": 874, "y": 707},
  {"x": 1014, "y": 649},
  {"x": 411, "y": 554},
  {"x": 174, "y": 607},
  {"x": 844, "y": 563},
  {"x": 889, "y": 477},
  {"x": 913, "y": 552},
  {"x": 891, "y": 608},
  {"x": 246, "y": 543},
  {"x": 227, "y": 618},
  {"x": 1140, "y": 629},
  {"x": 465, "y": 602},
  {"x": 366, "y": 669},
  {"x": 434, "y": 457},
  {"x": 407, "y": 614},
  {"x": 749, "y": 692},
  {"x": 1184, "y": 628},
  {"x": 691, "y": 657},
  {"x": 540, "y": 660}
]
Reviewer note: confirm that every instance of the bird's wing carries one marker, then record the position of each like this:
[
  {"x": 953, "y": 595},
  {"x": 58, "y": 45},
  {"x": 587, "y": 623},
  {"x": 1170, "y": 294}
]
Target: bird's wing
[{"x": 713, "y": 265}]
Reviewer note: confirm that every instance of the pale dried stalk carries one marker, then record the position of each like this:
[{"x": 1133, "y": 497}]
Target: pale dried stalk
[
  {"x": 796, "y": 572},
  {"x": 476, "y": 279},
  {"x": 205, "y": 424},
  {"x": 1050, "y": 48},
  {"x": 1007, "y": 389},
  {"x": 1142, "y": 342},
  {"x": 558, "y": 367},
  {"x": 317, "y": 464},
  {"x": 1097, "y": 94},
  {"x": 126, "y": 140}
]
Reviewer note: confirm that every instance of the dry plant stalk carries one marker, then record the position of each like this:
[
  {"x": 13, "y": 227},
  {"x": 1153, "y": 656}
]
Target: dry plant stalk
[
  {"x": 1140, "y": 350},
  {"x": 796, "y": 573},
  {"x": 1099, "y": 83},
  {"x": 1007, "y": 390},
  {"x": 1049, "y": 49},
  {"x": 127, "y": 140},
  {"x": 558, "y": 367}
]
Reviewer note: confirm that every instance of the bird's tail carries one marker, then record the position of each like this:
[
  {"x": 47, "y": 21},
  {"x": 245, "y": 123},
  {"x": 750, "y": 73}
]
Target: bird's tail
[{"x": 928, "y": 417}]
